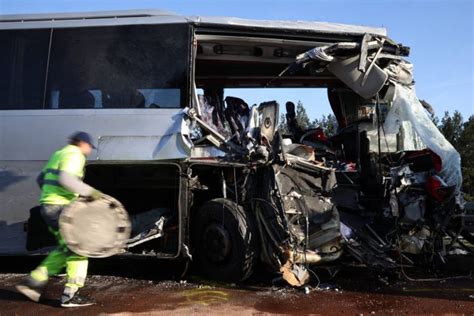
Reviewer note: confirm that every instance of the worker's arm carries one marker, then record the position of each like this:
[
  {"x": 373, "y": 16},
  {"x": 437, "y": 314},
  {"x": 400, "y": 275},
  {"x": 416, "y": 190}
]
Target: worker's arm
[
  {"x": 70, "y": 166},
  {"x": 40, "y": 179},
  {"x": 74, "y": 184}
]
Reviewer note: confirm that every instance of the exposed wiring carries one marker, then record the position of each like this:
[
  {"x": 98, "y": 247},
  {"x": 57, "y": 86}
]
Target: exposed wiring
[
  {"x": 235, "y": 186},
  {"x": 315, "y": 275},
  {"x": 402, "y": 270},
  {"x": 380, "y": 126},
  {"x": 279, "y": 75},
  {"x": 377, "y": 113},
  {"x": 293, "y": 242}
]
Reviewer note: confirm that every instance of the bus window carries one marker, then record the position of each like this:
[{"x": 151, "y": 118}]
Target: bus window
[
  {"x": 159, "y": 98},
  {"x": 23, "y": 58},
  {"x": 137, "y": 66}
]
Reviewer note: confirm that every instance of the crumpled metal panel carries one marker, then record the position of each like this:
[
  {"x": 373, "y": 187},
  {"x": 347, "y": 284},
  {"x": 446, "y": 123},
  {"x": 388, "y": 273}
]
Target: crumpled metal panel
[
  {"x": 365, "y": 84},
  {"x": 408, "y": 109},
  {"x": 268, "y": 111}
]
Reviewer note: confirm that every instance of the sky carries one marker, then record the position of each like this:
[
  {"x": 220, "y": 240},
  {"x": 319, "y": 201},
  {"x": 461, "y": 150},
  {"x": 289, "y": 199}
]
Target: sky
[{"x": 440, "y": 34}]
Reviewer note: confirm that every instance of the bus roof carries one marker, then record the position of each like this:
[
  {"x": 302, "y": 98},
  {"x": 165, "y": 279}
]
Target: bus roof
[{"x": 131, "y": 17}]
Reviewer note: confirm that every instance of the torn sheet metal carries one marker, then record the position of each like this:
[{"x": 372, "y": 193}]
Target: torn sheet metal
[
  {"x": 268, "y": 114},
  {"x": 407, "y": 108},
  {"x": 366, "y": 83},
  {"x": 199, "y": 152},
  {"x": 294, "y": 274},
  {"x": 400, "y": 71},
  {"x": 317, "y": 53},
  {"x": 147, "y": 226}
]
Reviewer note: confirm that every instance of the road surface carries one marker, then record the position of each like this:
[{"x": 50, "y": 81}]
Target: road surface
[{"x": 147, "y": 287}]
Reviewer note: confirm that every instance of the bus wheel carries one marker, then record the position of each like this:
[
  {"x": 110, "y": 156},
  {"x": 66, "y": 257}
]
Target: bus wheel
[{"x": 224, "y": 241}]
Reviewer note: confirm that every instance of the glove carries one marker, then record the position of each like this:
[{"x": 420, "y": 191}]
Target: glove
[{"x": 96, "y": 194}]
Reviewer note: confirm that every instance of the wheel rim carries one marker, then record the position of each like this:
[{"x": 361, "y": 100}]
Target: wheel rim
[{"x": 216, "y": 243}]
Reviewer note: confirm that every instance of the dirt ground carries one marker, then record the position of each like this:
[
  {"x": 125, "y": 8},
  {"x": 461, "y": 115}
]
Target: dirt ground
[{"x": 144, "y": 286}]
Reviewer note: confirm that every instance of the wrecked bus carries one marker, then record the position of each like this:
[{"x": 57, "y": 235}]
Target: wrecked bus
[{"x": 209, "y": 178}]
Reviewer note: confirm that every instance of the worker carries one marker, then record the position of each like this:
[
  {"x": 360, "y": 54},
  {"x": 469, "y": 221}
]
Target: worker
[{"x": 61, "y": 183}]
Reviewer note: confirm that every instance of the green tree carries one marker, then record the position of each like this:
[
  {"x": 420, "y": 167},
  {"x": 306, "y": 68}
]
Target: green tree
[
  {"x": 302, "y": 120},
  {"x": 302, "y": 117},
  {"x": 282, "y": 127},
  {"x": 327, "y": 123},
  {"x": 451, "y": 127},
  {"x": 434, "y": 119},
  {"x": 465, "y": 144},
  {"x": 461, "y": 136}
]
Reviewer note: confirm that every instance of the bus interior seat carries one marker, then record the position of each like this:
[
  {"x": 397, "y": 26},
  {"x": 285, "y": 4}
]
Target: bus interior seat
[
  {"x": 210, "y": 115},
  {"x": 237, "y": 113},
  {"x": 123, "y": 99},
  {"x": 76, "y": 100}
]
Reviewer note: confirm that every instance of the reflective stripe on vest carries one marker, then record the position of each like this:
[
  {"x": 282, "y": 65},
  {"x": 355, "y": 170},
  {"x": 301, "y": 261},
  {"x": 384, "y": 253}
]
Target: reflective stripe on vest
[
  {"x": 53, "y": 171},
  {"x": 52, "y": 182}
]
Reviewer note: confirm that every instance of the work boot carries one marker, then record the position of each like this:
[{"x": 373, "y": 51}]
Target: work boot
[
  {"x": 31, "y": 288},
  {"x": 76, "y": 300}
]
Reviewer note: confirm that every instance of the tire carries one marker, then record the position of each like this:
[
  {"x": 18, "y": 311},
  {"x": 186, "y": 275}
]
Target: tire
[{"x": 224, "y": 241}]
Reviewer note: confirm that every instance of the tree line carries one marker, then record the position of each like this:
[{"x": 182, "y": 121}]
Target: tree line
[
  {"x": 327, "y": 122},
  {"x": 458, "y": 132}
]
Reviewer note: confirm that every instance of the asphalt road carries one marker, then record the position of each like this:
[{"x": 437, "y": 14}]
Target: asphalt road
[{"x": 123, "y": 286}]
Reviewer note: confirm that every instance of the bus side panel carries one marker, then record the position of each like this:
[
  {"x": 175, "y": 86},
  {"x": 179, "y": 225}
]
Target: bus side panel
[
  {"x": 18, "y": 194},
  {"x": 29, "y": 137}
]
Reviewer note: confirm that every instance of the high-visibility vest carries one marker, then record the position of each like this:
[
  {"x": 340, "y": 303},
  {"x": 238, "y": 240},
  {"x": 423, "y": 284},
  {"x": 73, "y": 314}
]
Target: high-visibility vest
[{"x": 69, "y": 159}]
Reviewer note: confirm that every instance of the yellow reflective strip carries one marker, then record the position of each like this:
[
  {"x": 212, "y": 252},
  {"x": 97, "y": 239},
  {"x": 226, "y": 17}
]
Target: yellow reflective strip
[{"x": 40, "y": 274}]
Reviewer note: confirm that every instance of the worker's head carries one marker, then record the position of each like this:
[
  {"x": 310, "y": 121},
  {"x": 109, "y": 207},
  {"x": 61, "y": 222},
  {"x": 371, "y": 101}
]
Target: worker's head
[{"x": 82, "y": 140}]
